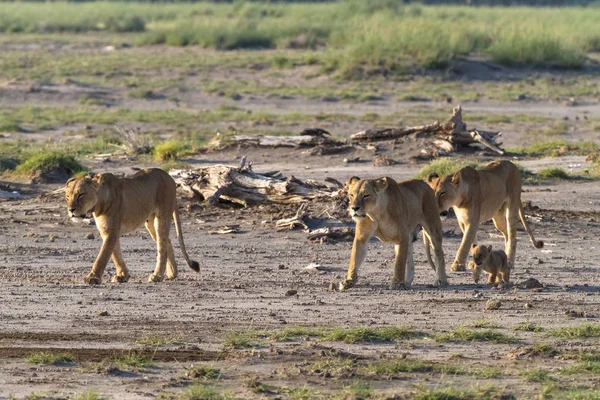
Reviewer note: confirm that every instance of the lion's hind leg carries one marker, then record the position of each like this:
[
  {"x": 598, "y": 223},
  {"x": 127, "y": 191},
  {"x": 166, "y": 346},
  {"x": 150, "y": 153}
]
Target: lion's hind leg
[
  {"x": 171, "y": 263},
  {"x": 161, "y": 227},
  {"x": 432, "y": 236}
]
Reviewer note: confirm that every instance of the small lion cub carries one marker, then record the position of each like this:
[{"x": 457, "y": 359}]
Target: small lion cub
[{"x": 493, "y": 262}]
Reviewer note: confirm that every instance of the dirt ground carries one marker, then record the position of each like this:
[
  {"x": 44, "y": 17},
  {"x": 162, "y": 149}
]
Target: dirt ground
[{"x": 246, "y": 277}]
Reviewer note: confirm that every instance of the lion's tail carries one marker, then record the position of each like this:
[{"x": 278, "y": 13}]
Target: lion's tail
[
  {"x": 191, "y": 263},
  {"x": 538, "y": 244}
]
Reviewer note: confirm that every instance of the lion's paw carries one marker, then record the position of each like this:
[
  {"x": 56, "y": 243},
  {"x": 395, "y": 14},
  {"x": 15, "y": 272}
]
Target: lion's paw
[
  {"x": 346, "y": 284},
  {"x": 399, "y": 286},
  {"x": 456, "y": 267},
  {"x": 155, "y": 278},
  {"x": 440, "y": 282},
  {"x": 120, "y": 278},
  {"x": 471, "y": 265},
  {"x": 92, "y": 280},
  {"x": 171, "y": 277}
]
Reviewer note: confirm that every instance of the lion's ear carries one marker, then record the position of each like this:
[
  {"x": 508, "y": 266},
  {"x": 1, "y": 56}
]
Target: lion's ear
[
  {"x": 456, "y": 178},
  {"x": 351, "y": 182},
  {"x": 432, "y": 176},
  {"x": 70, "y": 181},
  {"x": 474, "y": 245},
  {"x": 489, "y": 248},
  {"x": 381, "y": 184}
]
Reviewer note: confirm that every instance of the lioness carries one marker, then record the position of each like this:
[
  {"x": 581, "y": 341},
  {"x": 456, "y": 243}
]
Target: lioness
[
  {"x": 121, "y": 205},
  {"x": 494, "y": 262},
  {"x": 493, "y": 192},
  {"x": 392, "y": 212}
]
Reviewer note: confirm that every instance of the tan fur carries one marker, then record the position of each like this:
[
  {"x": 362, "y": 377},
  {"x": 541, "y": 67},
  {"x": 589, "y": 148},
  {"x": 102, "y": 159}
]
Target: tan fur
[
  {"x": 494, "y": 262},
  {"x": 121, "y": 205},
  {"x": 493, "y": 192},
  {"x": 393, "y": 212}
]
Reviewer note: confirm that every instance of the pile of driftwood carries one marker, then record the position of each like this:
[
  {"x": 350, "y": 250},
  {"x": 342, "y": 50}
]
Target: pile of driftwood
[
  {"x": 439, "y": 138},
  {"x": 241, "y": 185},
  {"x": 224, "y": 184},
  {"x": 446, "y": 138}
]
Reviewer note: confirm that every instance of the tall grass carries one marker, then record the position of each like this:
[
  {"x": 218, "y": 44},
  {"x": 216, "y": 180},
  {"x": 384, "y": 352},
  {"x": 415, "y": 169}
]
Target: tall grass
[{"x": 361, "y": 37}]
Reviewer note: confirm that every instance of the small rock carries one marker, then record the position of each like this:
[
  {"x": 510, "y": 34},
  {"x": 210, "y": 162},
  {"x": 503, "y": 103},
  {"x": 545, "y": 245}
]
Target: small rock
[
  {"x": 291, "y": 292},
  {"x": 527, "y": 306},
  {"x": 530, "y": 283},
  {"x": 576, "y": 314},
  {"x": 492, "y": 304},
  {"x": 90, "y": 236},
  {"x": 51, "y": 238},
  {"x": 102, "y": 314},
  {"x": 332, "y": 287},
  {"x": 281, "y": 266}
]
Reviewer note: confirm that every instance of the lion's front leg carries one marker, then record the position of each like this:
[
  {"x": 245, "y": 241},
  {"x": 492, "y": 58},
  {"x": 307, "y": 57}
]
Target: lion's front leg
[
  {"x": 364, "y": 231},
  {"x": 122, "y": 275},
  {"x": 469, "y": 237},
  {"x": 402, "y": 253},
  {"x": 109, "y": 240}
]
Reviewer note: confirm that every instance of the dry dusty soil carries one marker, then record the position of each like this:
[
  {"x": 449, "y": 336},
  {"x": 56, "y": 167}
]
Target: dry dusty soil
[{"x": 144, "y": 340}]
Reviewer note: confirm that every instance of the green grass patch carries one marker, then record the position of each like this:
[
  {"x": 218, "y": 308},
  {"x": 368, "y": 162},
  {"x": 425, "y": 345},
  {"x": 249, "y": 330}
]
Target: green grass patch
[
  {"x": 45, "y": 357},
  {"x": 203, "y": 372},
  {"x": 583, "y": 331},
  {"x": 582, "y": 367},
  {"x": 467, "y": 335},
  {"x": 559, "y": 392},
  {"x": 445, "y": 166},
  {"x": 543, "y": 350},
  {"x": 353, "y": 335},
  {"x": 483, "y": 323},
  {"x": 357, "y": 390},
  {"x": 171, "y": 150},
  {"x": 133, "y": 360},
  {"x": 347, "y": 335},
  {"x": 201, "y": 391},
  {"x": 488, "y": 373},
  {"x": 243, "y": 340},
  {"x": 555, "y": 148},
  {"x": 452, "y": 393},
  {"x": 409, "y": 366},
  {"x": 10, "y": 126},
  {"x": 46, "y": 161},
  {"x": 553, "y": 173},
  {"x": 536, "y": 375},
  {"x": 528, "y": 327},
  {"x": 90, "y": 394}
]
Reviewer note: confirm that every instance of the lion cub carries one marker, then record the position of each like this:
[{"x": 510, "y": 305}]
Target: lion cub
[{"x": 494, "y": 262}]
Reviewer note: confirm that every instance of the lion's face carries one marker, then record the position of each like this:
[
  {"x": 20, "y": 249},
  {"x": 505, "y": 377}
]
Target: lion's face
[
  {"x": 363, "y": 196},
  {"x": 446, "y": 190},
  {"x": 81, "y": 195},
  {"x": 480, "y": 253}
]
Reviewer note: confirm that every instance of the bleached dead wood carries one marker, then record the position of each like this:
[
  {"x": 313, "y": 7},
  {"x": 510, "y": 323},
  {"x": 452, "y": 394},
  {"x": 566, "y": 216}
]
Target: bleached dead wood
[
  {"x": 296, "y": 220},
  {"x": 331, "y": 233},
  {"x": 243, "y": 186},
  {"x": 223, "y": 141},
  {"x": 454, "y": 133}
]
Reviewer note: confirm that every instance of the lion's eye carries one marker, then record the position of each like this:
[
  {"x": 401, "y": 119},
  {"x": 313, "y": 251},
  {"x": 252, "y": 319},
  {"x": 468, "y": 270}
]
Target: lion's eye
[
  {"x": 442, "y": 194},
  {"x": 80, "y": 195},
  {"x": 366, "y": 196}
]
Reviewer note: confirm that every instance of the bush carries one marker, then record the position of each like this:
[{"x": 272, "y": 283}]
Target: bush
[
  {"x": 171, "y": 150},
  {"x": 47, "y": 161},
  {"x": 445, "y": 166}
]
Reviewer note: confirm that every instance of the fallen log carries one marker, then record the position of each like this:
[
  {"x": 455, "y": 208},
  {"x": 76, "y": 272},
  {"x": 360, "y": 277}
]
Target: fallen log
[
  {"x": 448, "y": 137},
  {"x": 243, "y": 186},
  {"x": 224, "y": 141}
]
